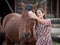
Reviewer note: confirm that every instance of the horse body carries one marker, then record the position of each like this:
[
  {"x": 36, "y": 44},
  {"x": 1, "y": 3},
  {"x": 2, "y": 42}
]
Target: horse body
[
  {"x": 9, "y": 16},
  {"x": 17, "y": 28},
  {"x": 10, "y": 27}
]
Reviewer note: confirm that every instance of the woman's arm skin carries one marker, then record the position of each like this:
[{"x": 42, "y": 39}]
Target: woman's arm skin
[{"x": 33, "y": 16}]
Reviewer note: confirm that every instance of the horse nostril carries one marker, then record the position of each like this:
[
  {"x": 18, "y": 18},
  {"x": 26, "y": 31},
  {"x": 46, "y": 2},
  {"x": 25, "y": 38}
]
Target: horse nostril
[{"x": 27, "y": 35}]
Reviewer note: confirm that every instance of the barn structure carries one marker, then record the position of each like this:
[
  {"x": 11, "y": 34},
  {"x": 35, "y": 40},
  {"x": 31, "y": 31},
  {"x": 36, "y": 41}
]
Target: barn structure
[{"x": 52, "y": 7}]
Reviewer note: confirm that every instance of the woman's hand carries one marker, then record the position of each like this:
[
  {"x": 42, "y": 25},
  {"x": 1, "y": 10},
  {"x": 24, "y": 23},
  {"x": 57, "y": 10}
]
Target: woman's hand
[{"x": 32, "y": 15}]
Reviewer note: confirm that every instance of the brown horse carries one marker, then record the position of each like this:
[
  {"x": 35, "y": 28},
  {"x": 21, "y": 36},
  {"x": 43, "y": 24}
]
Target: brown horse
[{"x": 18, "y": 28}]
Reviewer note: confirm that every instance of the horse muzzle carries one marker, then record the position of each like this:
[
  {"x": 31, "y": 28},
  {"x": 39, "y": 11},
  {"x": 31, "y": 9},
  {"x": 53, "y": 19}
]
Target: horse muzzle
[{"x": 27, "y": 35}]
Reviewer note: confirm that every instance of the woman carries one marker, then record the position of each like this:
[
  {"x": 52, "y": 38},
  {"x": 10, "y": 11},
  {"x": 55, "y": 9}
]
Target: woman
[
  {"x": 42, "y": 27},
  {"x": 43, "y": 34}
]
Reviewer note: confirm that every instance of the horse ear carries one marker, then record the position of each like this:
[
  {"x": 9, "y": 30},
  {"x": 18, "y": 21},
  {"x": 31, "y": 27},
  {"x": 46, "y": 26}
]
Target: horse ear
[
  {"x": 22, "y": 4},
  {"x": 35, "y": 5}
]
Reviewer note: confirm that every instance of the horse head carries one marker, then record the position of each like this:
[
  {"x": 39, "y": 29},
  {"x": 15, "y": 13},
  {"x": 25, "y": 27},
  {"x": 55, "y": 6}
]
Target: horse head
[{"x": 28, "y": 29}]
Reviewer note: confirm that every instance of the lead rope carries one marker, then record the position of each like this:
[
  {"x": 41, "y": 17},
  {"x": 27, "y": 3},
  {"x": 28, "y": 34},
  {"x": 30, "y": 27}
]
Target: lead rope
[{"x": 9, "y": 6}]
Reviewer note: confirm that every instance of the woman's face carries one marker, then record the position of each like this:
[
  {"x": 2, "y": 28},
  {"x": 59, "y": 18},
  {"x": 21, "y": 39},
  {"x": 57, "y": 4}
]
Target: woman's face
[{"x": 40, "y": 13}]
